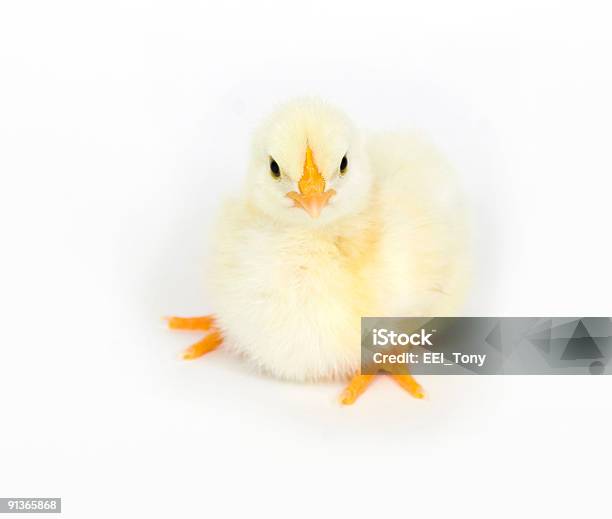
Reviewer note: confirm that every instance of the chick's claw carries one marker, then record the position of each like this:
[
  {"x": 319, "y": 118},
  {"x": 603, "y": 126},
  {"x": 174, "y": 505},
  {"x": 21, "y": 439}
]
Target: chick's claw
[
  {"x": 357, "y": 385},
  {"x": 191, "y": 323},
  {"x": 408, "y": 383},
  {"x": 207, "y": 344}
]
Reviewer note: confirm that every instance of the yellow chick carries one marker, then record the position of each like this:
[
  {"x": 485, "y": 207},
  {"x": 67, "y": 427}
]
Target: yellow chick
[{"x": 331, "y": 226}]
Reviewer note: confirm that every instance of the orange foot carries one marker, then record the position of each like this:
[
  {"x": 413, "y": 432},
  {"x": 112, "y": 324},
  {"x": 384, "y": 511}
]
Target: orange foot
[
  {"x": 207, "y": 344},
  {"x": 359, "y": 383}
]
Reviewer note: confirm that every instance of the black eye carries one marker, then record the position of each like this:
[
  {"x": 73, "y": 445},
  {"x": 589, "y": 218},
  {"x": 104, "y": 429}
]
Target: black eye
[
  {"x": 274, "y": 169},
  {"x": 343, "y": 165}
]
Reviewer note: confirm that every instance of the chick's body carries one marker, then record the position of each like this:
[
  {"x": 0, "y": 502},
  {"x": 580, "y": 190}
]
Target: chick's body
[{"x": 289, "y": 293}]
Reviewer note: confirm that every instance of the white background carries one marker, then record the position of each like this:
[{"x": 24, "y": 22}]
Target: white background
[{"x": 122, "y": 126}]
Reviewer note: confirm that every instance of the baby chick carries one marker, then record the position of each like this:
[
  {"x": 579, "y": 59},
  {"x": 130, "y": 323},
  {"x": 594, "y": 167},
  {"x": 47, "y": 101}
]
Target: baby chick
[{"x": 331, "y": 226}]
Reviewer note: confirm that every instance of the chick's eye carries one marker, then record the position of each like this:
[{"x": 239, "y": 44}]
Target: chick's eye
[
  {"x": 343, "y": 165},
  {"x": 274, "y": 169}
]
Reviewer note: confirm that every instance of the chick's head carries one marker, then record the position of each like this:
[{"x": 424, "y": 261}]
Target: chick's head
[{"x": 308, "y": 165}]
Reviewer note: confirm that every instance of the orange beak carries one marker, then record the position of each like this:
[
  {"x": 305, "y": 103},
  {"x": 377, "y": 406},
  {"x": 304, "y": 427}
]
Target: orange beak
[{"x": 312, "y": 196}]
